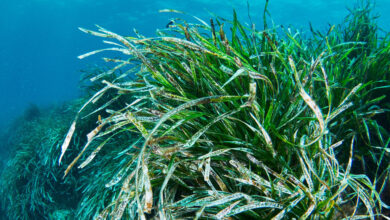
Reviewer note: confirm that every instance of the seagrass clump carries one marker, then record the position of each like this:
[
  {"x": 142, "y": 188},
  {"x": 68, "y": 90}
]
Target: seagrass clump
[
  {"x": 254, "y": 124},
  {"x": 30, "y": 184}
]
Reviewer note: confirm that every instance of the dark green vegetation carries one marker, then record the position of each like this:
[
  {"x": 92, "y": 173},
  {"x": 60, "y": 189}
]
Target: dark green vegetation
[
  {"x": 256, "y": 124},
  {"x": 31, "y": 185}
]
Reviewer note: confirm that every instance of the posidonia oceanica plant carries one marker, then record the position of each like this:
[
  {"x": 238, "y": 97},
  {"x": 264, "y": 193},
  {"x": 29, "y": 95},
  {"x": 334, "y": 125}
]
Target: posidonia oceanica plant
[
  {"x": 30, "y": 185},
  {"x": 257, "y": 124}
]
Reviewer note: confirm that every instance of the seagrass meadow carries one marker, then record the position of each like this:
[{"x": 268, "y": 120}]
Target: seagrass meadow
[{"x": 218, "y": 120}]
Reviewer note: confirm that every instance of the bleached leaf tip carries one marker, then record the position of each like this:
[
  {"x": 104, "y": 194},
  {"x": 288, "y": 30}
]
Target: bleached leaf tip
[
  {"x": 66, "y": 142},
  {"x": 170, "y": 11}
]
